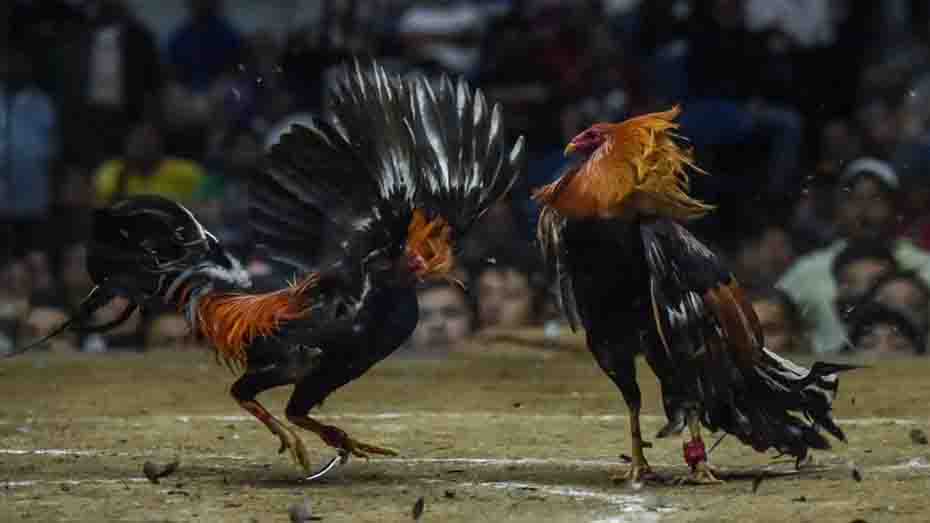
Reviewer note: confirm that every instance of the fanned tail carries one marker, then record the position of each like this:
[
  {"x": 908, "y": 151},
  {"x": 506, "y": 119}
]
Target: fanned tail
[
  {"x": 788, "y": 386},
  {"x": 711, "y": 356}
]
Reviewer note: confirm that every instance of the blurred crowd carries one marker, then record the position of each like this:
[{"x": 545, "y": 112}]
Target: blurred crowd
[{"x": 813, "y": 117}]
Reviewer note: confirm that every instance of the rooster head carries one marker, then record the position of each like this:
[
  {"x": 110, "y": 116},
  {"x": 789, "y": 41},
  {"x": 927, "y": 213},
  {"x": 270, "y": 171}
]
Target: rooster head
[
  {"x": 428, "y": 251},
  {"x": 589, "y": 140}
]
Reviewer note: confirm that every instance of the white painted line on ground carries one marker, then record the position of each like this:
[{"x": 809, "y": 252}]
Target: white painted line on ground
[
  {"x": 644, "y": 507},
  {"x": 914, "y": 464},
  {"x": 105, "y": 453},
  {"x": 36, "y": 482},
  {"x": 502, "y": 462},
  {"x": 399, "y": 415},
  {"x": 919, "y": 463},
  {"x": 634, "y": 507}
]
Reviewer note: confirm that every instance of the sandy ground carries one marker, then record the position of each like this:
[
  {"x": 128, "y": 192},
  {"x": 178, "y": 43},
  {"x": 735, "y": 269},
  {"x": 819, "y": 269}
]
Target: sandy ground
[{"x": 499, "y": 434}]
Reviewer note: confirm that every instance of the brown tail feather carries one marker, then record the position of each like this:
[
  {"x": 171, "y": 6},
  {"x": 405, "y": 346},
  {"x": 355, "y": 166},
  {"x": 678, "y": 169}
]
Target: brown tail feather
[{"x": 738, "y": 320}]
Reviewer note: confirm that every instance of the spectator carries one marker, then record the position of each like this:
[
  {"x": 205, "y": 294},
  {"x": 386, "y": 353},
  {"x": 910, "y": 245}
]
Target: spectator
[
  {"x": 445, "y": 319},
  {"x": 781, "y": 321},
  {"x": 443, "y": 35},
  {"x": 203, "y": 51},
  {"x": 14, "y": 302},
  {"x": 145, "y": 169},
  {"x": 736, "y": 101},
  {"x": 74, "y": 280},
  {"x": 839, "y": 144},
  {"x": 224, "y": 206},
  {"x": 128, "y": 336},
  {"x": 44, "y": 316},
  {"x": 499, "y": 229},
  {"x": 75, "y": 284},
  {"x": 205, "y": 47},
  {"x": 28, "y": 148},
  {"x": 169, "y": 331},
  {"x": 764, "y": 256},
  {"x": 110, "y": 78},
  {"x": 878, "y": 127},
  {"x": 508, "y": 287},
  {"x": 865, "y": 210},
  {"x": 906, "y": 293},
  {"x": 878, "y": 331},
  {"x": 856, "y": 269}
]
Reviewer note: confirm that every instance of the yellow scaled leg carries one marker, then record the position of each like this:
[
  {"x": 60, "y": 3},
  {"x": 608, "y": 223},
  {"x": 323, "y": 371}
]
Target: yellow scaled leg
[
  {"x": 639, "y": 469},
  {"x": 289, "y": 439},
  {"x": 337, "y": 438}
]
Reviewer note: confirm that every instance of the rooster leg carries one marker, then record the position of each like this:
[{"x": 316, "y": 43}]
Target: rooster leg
[
  {"x": 337, "y": 438},
  {"x": 306, "y": 395},
  {"x": 696, "y": 456},
  {"x": 621, "y": 368},
  {"x": 244, "y": 391},
  {"x": 639, "y": 468}
]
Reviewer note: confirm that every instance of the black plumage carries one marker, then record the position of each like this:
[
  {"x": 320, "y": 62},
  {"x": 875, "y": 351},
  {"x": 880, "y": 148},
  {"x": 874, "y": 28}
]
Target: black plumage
[
  {"x": 362, "y": 204},
  {"x": 648, "y": 286},
  {"x": 391, "y": 145},
  {"x": 340, "y": 200},
  {"x": 639, "y": 283}
]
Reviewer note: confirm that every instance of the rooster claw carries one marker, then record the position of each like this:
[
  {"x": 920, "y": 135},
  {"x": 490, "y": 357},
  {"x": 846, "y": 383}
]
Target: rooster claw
[
  {"x": 701, "y": 474},
  {"x": 339, "y": 459}
]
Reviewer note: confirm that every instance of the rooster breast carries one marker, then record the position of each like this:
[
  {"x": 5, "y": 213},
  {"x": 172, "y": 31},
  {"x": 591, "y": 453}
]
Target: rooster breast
[{"x": 609, "y": 273}]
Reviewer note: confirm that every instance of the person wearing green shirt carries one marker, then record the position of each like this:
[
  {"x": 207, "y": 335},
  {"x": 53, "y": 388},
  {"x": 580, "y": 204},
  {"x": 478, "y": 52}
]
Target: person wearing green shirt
[{"x": 865, "y": 211}]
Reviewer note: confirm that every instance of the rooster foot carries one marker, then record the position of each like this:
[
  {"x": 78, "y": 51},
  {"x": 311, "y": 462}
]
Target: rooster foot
[
  {"x": 337, "y": 438},
  {"x": 701, "y": 474},
  {"x": 292, "y": 442},
  {"x": 637, "y": 472}
]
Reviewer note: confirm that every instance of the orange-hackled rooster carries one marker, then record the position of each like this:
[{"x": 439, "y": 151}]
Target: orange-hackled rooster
[
  {"x": 636, "y": 281},
  {"x": 364, "y": 204}
]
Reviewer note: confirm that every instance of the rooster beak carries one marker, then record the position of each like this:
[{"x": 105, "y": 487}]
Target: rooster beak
[{"x": 570, "y": 148}]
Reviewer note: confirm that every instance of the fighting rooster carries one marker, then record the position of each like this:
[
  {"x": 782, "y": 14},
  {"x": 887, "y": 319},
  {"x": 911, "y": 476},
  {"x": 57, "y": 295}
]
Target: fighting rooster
[
  {"x": 637, "y": 281},
  {"x": 363, "y": 204}
]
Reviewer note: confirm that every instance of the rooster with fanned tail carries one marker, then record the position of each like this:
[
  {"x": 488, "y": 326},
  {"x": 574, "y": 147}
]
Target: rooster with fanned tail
[
  {"x": 364, "y": 204},
  {"x": 637, "y": 281}
]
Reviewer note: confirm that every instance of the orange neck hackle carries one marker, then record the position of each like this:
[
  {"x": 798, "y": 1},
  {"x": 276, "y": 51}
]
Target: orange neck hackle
[
  {"x": 429, "y": 246},
  {"x": 638, "y": 169}
]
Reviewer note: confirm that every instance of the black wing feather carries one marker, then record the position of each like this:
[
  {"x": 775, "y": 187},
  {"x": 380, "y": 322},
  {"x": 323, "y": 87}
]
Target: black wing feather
[
  {"x": 550, "y": 235},
  {"x": 348, "y": 184},
  {"x": 712, "y": 355},
  {"x": 465, "y": 166}
]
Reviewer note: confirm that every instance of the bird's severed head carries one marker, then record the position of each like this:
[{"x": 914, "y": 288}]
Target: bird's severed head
[
  {"x": 428, "y": 253},
  {"x": 588, "y": 140}
]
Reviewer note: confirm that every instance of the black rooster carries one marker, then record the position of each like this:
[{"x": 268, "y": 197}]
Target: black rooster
[
  {"x": 364, "y": 204},
  {"x": 639, "y": 282}
]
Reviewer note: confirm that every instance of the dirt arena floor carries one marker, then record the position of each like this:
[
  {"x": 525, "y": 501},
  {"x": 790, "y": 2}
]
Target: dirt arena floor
[{"x": 500, "y": 433}]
